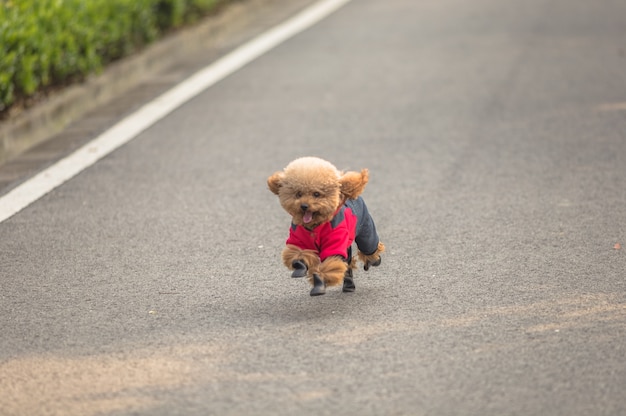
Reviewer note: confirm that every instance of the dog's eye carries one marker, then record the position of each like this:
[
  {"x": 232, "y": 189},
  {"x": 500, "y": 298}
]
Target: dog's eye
[
  {"x": 298, "y": 194},
  {"x": 316, "y": 194}
]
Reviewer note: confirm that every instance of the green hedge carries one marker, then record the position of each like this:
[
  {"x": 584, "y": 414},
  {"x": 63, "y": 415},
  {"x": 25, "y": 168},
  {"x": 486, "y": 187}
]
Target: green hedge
[{"x": 52, "y": 42}]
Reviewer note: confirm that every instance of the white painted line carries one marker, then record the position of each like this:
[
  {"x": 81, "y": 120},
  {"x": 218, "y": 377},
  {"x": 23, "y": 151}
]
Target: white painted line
[{"x": 128, "y": 128}]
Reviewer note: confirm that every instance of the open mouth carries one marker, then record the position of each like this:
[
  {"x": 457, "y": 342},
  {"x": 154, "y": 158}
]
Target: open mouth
[{"x": 307, "y": 217}]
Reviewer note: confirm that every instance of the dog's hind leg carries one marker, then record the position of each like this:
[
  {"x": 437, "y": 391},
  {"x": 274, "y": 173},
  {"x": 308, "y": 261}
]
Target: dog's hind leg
[
  {"x": 373, "y": 259},
  {"x": 367, "y": 240}
]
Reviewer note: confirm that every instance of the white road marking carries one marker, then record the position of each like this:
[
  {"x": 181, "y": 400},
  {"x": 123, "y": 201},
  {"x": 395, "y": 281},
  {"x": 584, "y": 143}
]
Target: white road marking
[{"x": 128, "y": 128}]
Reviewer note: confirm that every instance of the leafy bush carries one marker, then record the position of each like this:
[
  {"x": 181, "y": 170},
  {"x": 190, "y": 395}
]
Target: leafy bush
[{"x": 52, "y": 42}]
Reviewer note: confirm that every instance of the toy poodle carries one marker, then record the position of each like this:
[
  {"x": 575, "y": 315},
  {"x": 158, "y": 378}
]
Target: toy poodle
[{"x": 327, "y": 216}]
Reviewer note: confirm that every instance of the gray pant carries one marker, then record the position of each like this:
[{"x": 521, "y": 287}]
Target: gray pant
[{"x": 366, "y": 236}]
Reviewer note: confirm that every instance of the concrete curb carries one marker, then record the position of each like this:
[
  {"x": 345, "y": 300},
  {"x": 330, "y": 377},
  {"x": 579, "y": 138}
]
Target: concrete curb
[{"x": 46, "y": 119}]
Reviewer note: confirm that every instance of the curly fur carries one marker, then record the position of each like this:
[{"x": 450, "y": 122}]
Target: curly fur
[
  {"x": 319, "y": 186},
  {"x": 372, "y": 258}
]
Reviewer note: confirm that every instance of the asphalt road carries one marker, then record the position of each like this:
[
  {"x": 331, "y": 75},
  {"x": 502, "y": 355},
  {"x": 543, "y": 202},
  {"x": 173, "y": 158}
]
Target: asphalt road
[{"x": 495, "y": 135}]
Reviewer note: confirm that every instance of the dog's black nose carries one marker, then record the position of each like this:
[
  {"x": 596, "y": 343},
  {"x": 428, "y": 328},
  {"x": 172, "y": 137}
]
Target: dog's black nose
[{"x": 304, "y": 207}]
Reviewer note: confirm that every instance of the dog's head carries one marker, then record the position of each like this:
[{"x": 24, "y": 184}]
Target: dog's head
[{"x": 311, "y": 189}]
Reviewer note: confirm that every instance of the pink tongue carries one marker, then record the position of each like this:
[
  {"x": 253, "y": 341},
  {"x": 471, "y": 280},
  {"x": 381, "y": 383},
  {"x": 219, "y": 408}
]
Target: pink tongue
[{"x": 307, "y": 217}]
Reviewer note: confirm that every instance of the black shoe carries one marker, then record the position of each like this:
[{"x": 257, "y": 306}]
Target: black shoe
[
  {"x": 319, "y": 287},
  {"x": 348, "y": 282},
  {"x": 299, "y": 268},
  {"x": 375, "y": 264}
]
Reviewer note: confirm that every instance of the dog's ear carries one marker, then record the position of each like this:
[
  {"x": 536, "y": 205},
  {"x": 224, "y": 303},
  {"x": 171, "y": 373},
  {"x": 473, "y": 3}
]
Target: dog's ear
[
  {"x": 274, "y": 182},
  {"x": 353, "y": 183}
]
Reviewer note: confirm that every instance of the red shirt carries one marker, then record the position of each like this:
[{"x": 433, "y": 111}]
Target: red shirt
[{"x": 331, "y": 238}]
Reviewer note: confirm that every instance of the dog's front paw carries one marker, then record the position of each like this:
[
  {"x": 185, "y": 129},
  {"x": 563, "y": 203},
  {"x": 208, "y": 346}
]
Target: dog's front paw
[
  {"x": 299, "y": 269},
  {"x": 319, "y": 287}
]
